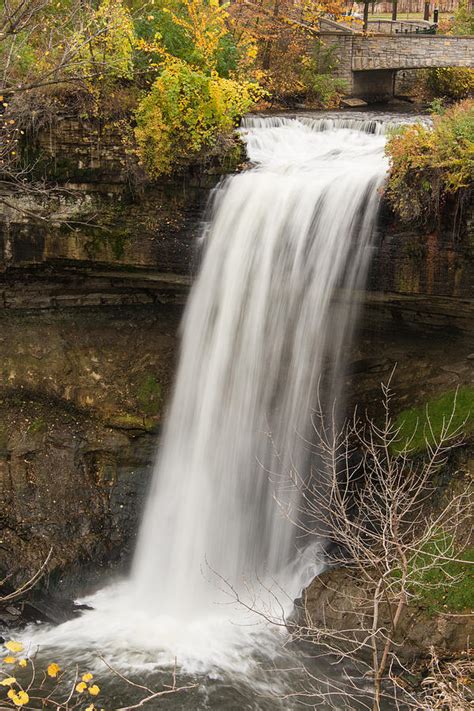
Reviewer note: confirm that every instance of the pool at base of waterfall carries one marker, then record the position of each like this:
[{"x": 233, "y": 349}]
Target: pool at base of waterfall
[{"x": 246, "y": 662}]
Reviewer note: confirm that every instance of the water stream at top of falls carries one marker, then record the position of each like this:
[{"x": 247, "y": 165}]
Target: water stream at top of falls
[{"x": 260, "y": 333}]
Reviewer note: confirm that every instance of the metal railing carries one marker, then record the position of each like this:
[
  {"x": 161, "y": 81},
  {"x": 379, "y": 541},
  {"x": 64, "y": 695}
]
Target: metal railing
[{"x": 402, "y": 27}]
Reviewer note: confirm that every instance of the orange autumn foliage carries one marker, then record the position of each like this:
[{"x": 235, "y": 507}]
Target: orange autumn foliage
[{"x": 284, "y": 34}]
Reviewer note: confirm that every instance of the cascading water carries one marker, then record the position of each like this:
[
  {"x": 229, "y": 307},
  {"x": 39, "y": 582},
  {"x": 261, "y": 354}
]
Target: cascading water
[
  {"x": 258, "y": 328},
  {"x": 261, "y": 333}
]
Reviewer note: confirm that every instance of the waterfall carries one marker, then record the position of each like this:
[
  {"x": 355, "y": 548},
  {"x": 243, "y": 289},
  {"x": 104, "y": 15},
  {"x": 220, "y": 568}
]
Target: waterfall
[
  {"x": 263, "y": 333},
  {"x": 259, "y": 333}
]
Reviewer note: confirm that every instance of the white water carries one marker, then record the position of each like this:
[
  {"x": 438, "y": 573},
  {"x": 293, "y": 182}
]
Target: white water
[
  {"x": 259, "y": 323},
  {"x": 259, "y": 332}
]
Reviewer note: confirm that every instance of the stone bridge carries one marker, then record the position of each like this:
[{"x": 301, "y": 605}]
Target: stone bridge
[{"x": 368, "y": 64}]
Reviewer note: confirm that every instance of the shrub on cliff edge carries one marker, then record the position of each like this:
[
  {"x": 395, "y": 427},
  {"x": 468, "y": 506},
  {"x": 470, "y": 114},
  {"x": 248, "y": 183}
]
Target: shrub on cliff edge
[
  {"x": 187, "y": 112},
  {"x": 429, "y": 164}
]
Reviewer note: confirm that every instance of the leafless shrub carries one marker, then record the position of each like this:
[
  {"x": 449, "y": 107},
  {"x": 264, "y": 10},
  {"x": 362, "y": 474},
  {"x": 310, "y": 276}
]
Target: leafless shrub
[
  {"x": 390, "y": 539},
  {"x": 449, "y": 685}
]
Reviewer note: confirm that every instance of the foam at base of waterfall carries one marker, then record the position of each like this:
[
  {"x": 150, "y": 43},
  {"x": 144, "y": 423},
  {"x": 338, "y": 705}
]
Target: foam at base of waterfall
[
  {"x": 116, "y": 627},
  {"x": 130, "y": 638}
]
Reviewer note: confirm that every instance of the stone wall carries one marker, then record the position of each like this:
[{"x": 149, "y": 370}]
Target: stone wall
[
  {"x": 81, "y": 151},
  {"x": 411, "y": 52}
]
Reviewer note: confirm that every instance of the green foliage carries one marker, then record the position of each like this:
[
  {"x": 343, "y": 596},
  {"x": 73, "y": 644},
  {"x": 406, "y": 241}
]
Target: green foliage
[
  {"x": 451, "y": 82},
  {"x": 427, "y": 164},
  {"x": 463, "y": 19},
  {"x": 318, "y": 76},
  {"x": 327, "y": 89},
  {"x": 186, "y": 112},
  {"x": 228, "y": 57},
  {"x": 172, "y": 29},
  {"x": 26, "y": 55},
  {"x": 437, "y": 107},
  {"x": 420, "y": 426}
]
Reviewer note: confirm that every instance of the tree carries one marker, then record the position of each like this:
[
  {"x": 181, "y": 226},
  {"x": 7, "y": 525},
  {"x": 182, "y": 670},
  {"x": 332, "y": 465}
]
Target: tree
[
  {"x": 54, "y": 54},
  {"x": 190, "y": 107},
  {"x": 284, "y": 32}
]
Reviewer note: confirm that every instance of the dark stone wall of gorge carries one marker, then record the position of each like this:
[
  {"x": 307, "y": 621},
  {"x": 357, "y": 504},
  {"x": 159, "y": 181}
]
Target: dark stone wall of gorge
[
  {"x": 93, "y": 280},
  {"x": 82, "y": 394}
]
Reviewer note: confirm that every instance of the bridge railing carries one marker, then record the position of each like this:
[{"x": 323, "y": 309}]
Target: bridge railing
[{"x": 404, "y": 27}]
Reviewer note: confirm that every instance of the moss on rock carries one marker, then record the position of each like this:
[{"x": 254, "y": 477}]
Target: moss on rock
[{"x": 420, "y": 426}]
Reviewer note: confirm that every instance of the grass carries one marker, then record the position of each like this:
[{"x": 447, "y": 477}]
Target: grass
[
  {"x": 449, "y": 586},
  {"x": 149, "y": 396},
  {"x": 446, "y": 586},
  {"x": 420, "y": 426}
]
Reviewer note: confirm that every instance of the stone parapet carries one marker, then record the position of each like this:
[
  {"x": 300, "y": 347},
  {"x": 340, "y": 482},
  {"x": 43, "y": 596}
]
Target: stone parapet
[{"x": 411, "y": 52}]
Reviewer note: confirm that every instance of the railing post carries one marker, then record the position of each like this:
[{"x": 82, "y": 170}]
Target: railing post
[
  {"x": 394, "y": 10},
  {"x": 366, "y": 15}
]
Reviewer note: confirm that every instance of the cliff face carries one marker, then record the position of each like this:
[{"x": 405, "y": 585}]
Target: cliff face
[
  {"x": 93, "y": 280},
  {"x": 82, "y": 393}
]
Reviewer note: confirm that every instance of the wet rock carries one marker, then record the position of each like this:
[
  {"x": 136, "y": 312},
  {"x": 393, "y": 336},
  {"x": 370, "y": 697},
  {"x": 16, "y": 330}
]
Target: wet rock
[
  {"x": 354, "y": 102},
  {"x": 69, "y": 485},
  {"x": 336, "y": 600}
]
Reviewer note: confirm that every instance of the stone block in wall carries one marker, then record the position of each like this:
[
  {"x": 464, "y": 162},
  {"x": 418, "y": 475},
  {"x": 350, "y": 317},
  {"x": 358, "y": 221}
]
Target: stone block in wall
[{"x": 81, "y": 151}]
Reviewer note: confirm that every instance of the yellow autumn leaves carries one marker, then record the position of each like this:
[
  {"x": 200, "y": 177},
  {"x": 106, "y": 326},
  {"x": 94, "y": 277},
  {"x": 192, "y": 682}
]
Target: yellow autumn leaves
[
  {"x": 16, "y": 648},
  {"x": 185, "y": 113},
  {"x": 104, "y": 45},
  {"x": 15, "y": 692},
  {"x": 53, "y": 670},
  {"x": 93, "y": 689},
  {"x": 19, "y": 696}
]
